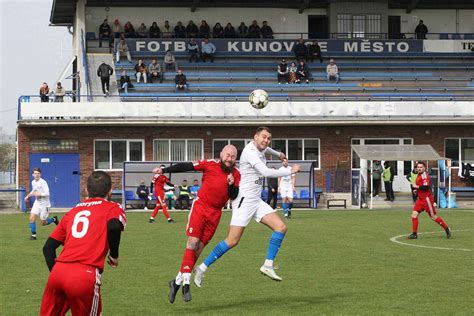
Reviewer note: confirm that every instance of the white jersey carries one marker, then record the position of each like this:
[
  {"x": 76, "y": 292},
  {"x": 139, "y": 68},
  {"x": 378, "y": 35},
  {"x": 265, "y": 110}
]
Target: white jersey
[
  {"x": 286, "y": 181},
  {"x": 42, "y": 188}
]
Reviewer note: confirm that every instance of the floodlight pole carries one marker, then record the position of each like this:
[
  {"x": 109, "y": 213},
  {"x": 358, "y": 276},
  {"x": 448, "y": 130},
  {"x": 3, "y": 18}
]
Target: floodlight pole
[{"x": 371, "y": 183}]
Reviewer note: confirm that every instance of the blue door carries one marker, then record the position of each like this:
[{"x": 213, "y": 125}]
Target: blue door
[{"x": 61, "y": 171}]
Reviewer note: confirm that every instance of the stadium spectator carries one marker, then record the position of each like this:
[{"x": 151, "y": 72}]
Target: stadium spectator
[
  {"x": 388, "y": 175},
  {"x": 170, "y": 198},
  {"x": 292, "y": 76},
  {"x": 301, "y": 50},
  {"x": 169, "y": 61},
  {"x": 105, "y": 32},
  {"x": 194, "y": 189},
  {"x": 142, "y": 31},
  {"x": 204, "y": 30},
  {"x": 117, "y": 28},
  {"x": 242, "y": 30},
  {"x": 144, "y": 193},
  {"x": 125, "y": 82},
  {"x": 315, "y": 52},
  {"x": 43, "y": 92},
  {"x": 141, "y": 71},
  {"x": 180, "y": 81},
  {"x": 129, "y": 30},
  {"x": 154, "y": 30},
  {"x": 303, "y": 72},
  {"x": 377, "y": 171},
  {"x": 272, "y": 191},
  {"x": 421, "y": 30},
  {"x": 411, "y": 177},
  {"x": 179, "y": 30},
  {"x": 122, "y": 49},
  {"x": 266, "y": 30},
  {"x": 193, "y": 50},
  {"x": 59, "y": 93},
  {"x": 191, "y": 30},
  {"x": 154, "y": 71},
  {"x": 286, "y": 187},
  {"x": 332, "y": 72},
  {"x": 104, "y": 71},
  {"x": 217, "y": 31},
  {"x": 184, "y": 195},
  {"x": 207, "y": 50},
  {"x": 283, "y": 72},
  {"x": 167, "y": 30},
  {"x": 229, "y": 31},
  {"x": 254, "y": 30}
]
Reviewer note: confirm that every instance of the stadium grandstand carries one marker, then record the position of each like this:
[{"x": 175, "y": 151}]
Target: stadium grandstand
[{"x": 398, "y": 86}]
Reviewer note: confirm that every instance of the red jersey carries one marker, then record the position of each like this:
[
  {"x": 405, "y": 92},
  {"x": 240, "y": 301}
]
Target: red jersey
[
  {"x": 214, "y": 191},
  {"x": 83, "y": 232},
  {"x": 160, "y": 180},
  {"x": 423, "y": 180}
]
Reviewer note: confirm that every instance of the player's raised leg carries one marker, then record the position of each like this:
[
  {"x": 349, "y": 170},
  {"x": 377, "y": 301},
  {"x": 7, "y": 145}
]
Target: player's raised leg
[
  {"x": 274, "y": 222},
  {"x": 436, "y": 218}
]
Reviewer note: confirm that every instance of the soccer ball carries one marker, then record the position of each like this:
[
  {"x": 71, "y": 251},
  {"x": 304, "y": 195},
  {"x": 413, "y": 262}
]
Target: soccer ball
[{"x": 258, "y": 99}]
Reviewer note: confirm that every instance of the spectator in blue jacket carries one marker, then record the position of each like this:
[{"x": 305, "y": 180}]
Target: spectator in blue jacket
[{"x": 207, "y": 50}]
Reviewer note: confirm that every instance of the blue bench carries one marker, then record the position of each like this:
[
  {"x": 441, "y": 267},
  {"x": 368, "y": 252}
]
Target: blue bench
[{"x": 463, "y": 191}]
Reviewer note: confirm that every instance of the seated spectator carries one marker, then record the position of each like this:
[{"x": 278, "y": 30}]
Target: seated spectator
[
  {"x": 194, "y": 189},
  {"x": 59, "y": 93},
  {"x": 179, "y": 30},
  {"x": 302, "y": 72},
  {"x": 122, "y": 49},
  {"x": 266, "y": 30},
  {"x": 117, "y": 28},
  {"x": 204, "y": 30},
  {"x": 293, "y": 77},
  {"x": 142, "y": 31},
  {"x": 169, "y": 61},
  {"x": 44, "y": 91},
  {"x": 191, "y": 30},
  {"x": 207, "y": 50},
  {"x": 167, "y": 30},
  {"x": 229, "y": 31},
  {"x": 242, "y": 30},
  {"x": 332, "y": 71},
  {"x": 141, "y": 71},
  {"x": 170, "y": 197},
  {"x": 129, "y": 30},
  {"x": 254, "y": 30},
  {"x": 315, "y": 52},
  {"x": 283, "y": 72},
  {"x": 218, "y": 31},
  {"x": 421, "y": 30},
  {"x": 180, "y": 81},
  {"x": 301, "y": 50},
  {"x": 193, "y": 50},
  {"x": 105, "y": 32},
  {"x": 154, "y": 30},
  {"x": 184, "y": 194},
  {"x": 125, "y": 82},
  {"x": 154, "y": 71},
  {"x": 144, "y": 193}
]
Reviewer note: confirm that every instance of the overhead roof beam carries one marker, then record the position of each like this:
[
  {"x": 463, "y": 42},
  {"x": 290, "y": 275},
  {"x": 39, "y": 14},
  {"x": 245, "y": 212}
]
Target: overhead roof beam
[
  {"x": 303, "y": 5},
  {"x": 412, "y": 5},
  {"x": 194, "y": 5}
]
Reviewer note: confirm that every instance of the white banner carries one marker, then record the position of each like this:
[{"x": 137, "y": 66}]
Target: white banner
[{"x": 448, "y": 46}]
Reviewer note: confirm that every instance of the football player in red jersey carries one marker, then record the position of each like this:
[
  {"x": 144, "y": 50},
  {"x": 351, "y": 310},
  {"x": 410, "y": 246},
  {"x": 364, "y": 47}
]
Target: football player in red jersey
[
  {"x": 160, "y": 180},
  {"x": 425, "y": 202},
  {"x": 88, "y": 232},
  {"x": 220, "y": 182}
]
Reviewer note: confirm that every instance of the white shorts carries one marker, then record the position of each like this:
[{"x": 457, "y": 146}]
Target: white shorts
[
  {"x": 40, "y": 210},
  {"x": 244, "y": 210},
  {"x": 286, "y": 192}
]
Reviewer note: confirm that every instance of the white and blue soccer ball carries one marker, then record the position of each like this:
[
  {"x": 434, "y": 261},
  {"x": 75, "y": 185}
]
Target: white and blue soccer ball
[{"x": 258, "y": 99}]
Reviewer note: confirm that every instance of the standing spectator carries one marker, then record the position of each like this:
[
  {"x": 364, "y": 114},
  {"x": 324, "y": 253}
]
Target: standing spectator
[
  {"x": 154, "y": 30},
  {"x": 272, "y": 191},
  {"x": 144, "y": 193},
  {"x": 180, "y": 81},
  {"x": 421, "y": 30},
  {"x": 266, "y": 30},
  {"x": 207, "y": 50},
  {"x": 191, "y": 30},
  {"x": 59, "y": 93},
  {"x": 154, "y": 71},
  {"x": 167, "y": 30},
  {"x": 315, "y": 52},
  {"x": 44, "y": 91},
  {"x": 104, "y": 72},
  {"x": 229, "y": 31},
  {"x": 303, "y": 72},
  {"x": 129, "y": 30},
  {"x": 293, "y": 77},
  {"x": 254, "y": 30},
  {"x": 283, "y": 72},
  {"x": 218, "y": 31},
  {"x": 122, "y": 49},
  {"x": 301, "y": 50},
  {"x": 105, "y": 32},
  {"x": 142, "y": 31},
  {"x": 204, "y": 30},
  {"x": 388, "y": 175},
  {"x": 184, "y": 194},
  {"x": 332, "y": 71},
  {"x": 179, "y": 30},
  {"x": 169, "y": 61},
  {"x": 411, "y": 177},
  {"x": 286, "y": 187},
  {"x": 117, "y": 28},
  {"x": 377, "y": 171},
  {"x": 141, "y": 71},
  {"x": 242, "y": 30},
  {"x": 194, "y": 189},
  {"x": 193, "y": 50},
  {"x": 125, "y": 82}
]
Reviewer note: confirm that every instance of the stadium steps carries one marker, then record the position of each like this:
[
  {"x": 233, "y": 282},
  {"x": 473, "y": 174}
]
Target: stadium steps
[
  {"x": 8, "y": 201},
  {"x": 402, "y": 200},
  {"x": 94, "y": 61}
]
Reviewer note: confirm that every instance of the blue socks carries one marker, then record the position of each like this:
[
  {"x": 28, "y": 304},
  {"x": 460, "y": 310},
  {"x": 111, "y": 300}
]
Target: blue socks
[
  {"x": 220, "y": 249},
  {"x": 274, "y": 244},
  {"x": 49, "y": 220},
  {"x": 33, "y": 228},
  {"x": 284, "y": 206}
]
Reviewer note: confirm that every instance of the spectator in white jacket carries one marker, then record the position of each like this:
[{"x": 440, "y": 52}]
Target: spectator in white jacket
[
  {"x": 332, "y": 71},
  {"x": 207, "y": 50}
]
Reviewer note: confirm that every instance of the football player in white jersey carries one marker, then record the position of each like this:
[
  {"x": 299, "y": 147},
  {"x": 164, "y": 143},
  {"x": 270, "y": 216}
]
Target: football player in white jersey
[
  {"x": 249, "y": 204},
  {"x": 286, "y": 187},
  {"x": 40, "y": 190}
]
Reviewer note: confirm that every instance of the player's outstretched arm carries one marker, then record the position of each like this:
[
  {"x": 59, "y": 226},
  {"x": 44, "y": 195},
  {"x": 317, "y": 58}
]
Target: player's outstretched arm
[
  {"x": 179, "y": 167},
  {"x": 49, "y": 252},
  {"x": 270, "y": 173},
  {"x": 114, "y": 231},
  {"x": 275, "y": 153}
]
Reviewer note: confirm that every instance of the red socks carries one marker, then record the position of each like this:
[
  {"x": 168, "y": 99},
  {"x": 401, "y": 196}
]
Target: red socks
[
  {"x": 414, "y": 224},
  {"x": 189, "y": 260},
  {"x": 441, "y": 223},
  {"x": 165, "y": 211}
]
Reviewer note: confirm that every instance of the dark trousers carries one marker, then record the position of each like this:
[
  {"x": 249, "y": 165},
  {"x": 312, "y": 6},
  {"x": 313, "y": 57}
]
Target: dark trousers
[
  {"x": 316, "y": 56},
  {"x": 181, "y": 199},
  {"x": 376, "y": 187},
  {"x": 272, "y": 196},
  {"x": 105, "y": 84},
  {"x": 193, "y": 55},
  {"x": 283, "y": 78},
  {"x": 106, "y": 37},
  {"x": 389, "y": 190},
  {"x": 152, "y": 76},
  {"x": 144, "y": 197},
  {"x": 44, "y": 98},
  {"x": 204, "y": 56}
]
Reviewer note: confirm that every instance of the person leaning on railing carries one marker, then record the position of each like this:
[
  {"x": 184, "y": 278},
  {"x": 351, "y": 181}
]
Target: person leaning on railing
[{"x": 43, "y": 92}]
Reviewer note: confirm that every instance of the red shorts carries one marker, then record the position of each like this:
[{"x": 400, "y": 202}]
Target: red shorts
[
  {"x": 202, "y": 221},
  {"x": 425, "y": 204},
  {"x": 160, "y": 199},
  {"x": 72, "y": 286}
]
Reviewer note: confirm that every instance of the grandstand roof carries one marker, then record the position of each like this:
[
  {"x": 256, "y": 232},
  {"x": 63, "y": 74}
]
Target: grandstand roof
[{"x": 398, "y": 152}]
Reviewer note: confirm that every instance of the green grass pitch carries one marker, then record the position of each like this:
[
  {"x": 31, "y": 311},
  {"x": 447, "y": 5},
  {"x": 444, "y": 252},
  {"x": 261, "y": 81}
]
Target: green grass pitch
[{"x": 337, "y": 262}]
